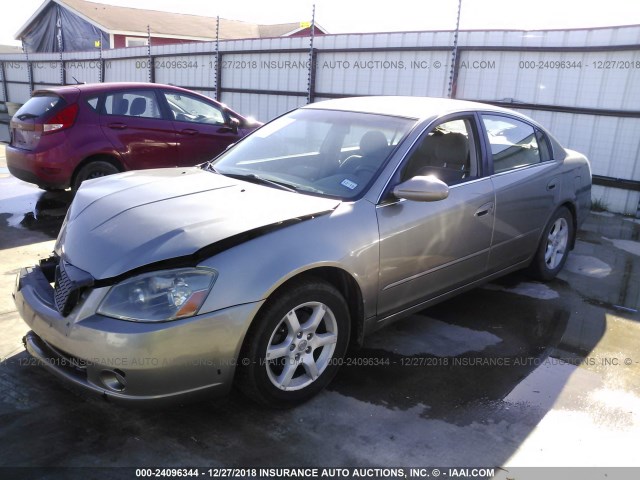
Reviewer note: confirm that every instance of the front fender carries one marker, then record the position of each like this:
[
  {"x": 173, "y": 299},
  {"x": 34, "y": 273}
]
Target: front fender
[{"x": 346, "y": 239}]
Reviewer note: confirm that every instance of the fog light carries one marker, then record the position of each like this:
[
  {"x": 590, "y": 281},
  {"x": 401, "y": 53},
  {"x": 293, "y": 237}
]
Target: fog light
[{"x": 113, "y": 379}]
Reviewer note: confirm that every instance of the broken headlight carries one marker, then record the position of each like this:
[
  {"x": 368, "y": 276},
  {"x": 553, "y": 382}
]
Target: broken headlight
[{"x": 159, "y": 296}]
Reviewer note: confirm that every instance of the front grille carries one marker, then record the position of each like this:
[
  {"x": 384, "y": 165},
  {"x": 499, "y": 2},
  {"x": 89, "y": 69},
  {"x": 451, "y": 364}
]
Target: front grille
[
  {"x": 63, "y": 288},
  {"x": 69, "y": 283}
]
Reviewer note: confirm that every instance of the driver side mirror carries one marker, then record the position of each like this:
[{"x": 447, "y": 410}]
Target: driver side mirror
[
  {"x": 234, "y": 124},
  {"x": 422, "y": 189}
]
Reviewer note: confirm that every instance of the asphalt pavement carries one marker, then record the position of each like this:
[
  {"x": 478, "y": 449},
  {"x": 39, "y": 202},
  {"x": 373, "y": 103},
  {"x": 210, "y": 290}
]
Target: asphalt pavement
[{"x": 514, "y": 374}]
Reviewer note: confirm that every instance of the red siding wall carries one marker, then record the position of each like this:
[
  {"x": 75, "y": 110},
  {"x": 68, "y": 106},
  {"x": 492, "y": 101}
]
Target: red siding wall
[{"x": 120, "y": 40}]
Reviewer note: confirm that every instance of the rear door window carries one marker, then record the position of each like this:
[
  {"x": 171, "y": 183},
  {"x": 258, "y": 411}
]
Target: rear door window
[
  {"x": 140, "y": 103},
  {"x": 514, "y": 144},
  {"x": 38, "y": 106}
]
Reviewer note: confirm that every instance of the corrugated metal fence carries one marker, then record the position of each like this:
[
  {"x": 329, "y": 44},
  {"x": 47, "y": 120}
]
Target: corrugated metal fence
[{"x": 582, "y": 84}]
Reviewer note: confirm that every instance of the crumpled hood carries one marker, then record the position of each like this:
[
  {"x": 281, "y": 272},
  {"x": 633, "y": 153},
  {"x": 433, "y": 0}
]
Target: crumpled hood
[{"x": 122, "y": 222}]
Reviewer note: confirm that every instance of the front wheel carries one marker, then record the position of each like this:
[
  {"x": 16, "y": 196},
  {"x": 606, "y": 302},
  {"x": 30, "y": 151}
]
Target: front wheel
[
  {"x": 554, "y": 247},
  {"x": 46, "y": 188},
  {"x": 295, "y": 346}
]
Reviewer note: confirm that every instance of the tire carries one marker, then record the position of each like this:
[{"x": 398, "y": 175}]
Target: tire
[
  {"x": 95, "y": 169},
  {"x": 554, "y": 246},
  {"x": 50, "y": 189},
  {"x": 306, "y": 327}
]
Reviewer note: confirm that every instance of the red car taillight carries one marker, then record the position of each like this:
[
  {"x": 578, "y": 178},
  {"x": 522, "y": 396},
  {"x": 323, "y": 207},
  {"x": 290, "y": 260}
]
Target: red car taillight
[{"x": 63, "y": 119}]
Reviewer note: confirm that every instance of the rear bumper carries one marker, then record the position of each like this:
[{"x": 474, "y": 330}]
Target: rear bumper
[
  {"x": 49, "y": 169},
  {"x": 132, "y": 362}
]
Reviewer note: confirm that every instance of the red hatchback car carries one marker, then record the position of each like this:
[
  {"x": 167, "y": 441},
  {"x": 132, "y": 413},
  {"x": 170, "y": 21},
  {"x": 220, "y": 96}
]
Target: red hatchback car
[{"x": 65, "y": 135}]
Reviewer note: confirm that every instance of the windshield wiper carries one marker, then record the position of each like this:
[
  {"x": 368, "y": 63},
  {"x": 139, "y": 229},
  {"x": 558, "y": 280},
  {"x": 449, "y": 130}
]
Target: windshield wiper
[
  {"x": 262, "y": 180},
  {"x": 209, "y": 166},
  {"x": 26, "y": 116}
]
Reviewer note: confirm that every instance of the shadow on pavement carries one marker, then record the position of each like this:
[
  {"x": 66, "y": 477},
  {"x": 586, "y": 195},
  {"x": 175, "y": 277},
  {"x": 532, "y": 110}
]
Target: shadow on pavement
[
  {"x": 427, "y": 390},
  {"x": 38, "y": 212}
]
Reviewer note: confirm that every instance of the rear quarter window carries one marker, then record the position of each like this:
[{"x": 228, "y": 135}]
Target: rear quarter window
[
  {"x": 93, "y": 103},
  {"x": 38, "y": 106}
]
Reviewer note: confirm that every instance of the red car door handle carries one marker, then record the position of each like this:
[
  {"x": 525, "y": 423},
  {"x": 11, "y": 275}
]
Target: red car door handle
[
  {"x": 117, "y": 126},
  {"x": 189, "y": 131}
]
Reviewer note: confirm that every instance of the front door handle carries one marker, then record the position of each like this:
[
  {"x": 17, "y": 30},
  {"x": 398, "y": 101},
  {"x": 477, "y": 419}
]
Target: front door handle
[
  {"x": 189, "y": 131},
  {"x": 117, "y": 126},
  {"x": 485, "y": 209}
]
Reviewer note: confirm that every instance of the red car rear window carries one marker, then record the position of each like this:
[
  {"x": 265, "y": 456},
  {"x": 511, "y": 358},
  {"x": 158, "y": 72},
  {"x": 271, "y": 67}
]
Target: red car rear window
[{"x": 38, "y": 106}]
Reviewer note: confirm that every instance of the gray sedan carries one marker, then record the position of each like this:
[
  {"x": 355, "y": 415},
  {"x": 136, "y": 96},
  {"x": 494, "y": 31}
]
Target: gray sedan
[{"x": 262, "y": 267}]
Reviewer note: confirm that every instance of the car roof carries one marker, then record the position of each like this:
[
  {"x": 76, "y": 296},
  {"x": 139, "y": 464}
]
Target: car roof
[
  {"x": 109, "y": 87},
  {"x": 104, "y": 87},
  {"x": 97, "y": 88},
  {"x": 410, "y": 107}
]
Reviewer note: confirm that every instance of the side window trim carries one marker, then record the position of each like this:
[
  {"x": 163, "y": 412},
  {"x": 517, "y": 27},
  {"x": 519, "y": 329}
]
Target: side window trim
[
  {"x": 486, "y": 160},
  {"x": 543, "y": 141}
]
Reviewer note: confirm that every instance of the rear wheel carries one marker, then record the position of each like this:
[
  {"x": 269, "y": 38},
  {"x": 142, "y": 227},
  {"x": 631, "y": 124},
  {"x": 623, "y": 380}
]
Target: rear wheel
[
  {"x": 554, "y": 247},
  {"x": 293, "y": 349},
  {"x": 94, "y": 169}
]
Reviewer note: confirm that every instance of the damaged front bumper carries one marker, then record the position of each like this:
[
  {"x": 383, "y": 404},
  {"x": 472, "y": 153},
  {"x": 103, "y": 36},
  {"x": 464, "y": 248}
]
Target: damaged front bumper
[{"x": 128, "y": 361}]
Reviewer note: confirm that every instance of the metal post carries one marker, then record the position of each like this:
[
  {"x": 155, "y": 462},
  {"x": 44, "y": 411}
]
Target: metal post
[
  {"x": 219, "y": 75},
  {"x": 311, "y": 97},
  {"x": 60, "y": 50},
  {"x": 216, "y": 79},
  {"x": 453, "y": 72},
  {"x": 3, "y": 72},
  {"x": 29, "y": 68},
  {"x": 152, "y": 72},
  {"x": 311, "y": 78},
  {"x": 101, "y": 63}
]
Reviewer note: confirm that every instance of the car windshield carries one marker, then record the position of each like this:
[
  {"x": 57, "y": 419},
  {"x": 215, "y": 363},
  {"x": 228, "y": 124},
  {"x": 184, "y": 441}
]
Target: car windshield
[{"x": 322, "y": 152}]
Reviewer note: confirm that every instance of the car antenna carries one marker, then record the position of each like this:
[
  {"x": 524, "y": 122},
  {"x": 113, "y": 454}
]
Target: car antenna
[{"x": 78, "y": 82}]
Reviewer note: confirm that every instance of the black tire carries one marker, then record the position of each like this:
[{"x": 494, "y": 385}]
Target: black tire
[
  {"x": 94, "y": 169},
  {"x": 264, "y": 381},
  {"x": 50, "y": 189},
  {"x": 554, "y": 246}
]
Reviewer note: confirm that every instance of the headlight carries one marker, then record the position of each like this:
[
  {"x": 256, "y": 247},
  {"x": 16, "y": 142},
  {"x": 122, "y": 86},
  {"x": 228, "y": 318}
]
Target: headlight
[
  {"x": 159, "y": 296},
  {"x": 58, "y": 247}
]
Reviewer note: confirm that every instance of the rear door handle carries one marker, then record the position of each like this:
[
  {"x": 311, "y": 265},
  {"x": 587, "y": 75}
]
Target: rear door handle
[
  {"x": 117, "y": 126},
  {"x": 551, "y": 185},
  {"x": 484, "y": 210},
  {"x": 189, "y": 131}
]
